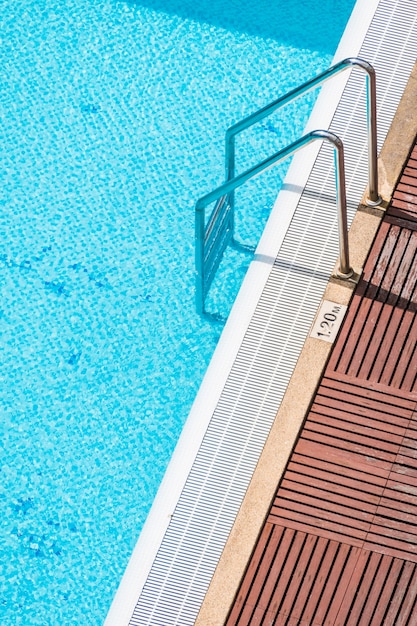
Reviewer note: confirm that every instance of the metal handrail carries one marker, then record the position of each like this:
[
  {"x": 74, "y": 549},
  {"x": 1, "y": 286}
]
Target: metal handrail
[
  {"x": 228, "y": 187},
  {"x": 374, "y": 198}
]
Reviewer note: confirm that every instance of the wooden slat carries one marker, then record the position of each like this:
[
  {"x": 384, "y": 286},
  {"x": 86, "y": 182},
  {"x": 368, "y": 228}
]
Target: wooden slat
[
  {"x": 407, "y": 185},
  {"x": 402, "y": 528},
  {"x": 391, "y": 500},
  {"x": 404, "y": 201},
  {"x": 411, "y": 169},
  {"x": 405, "y": 464},
  {"x": 383, "y": 366},
  {"x": 408, "y": 181},
  {"x": 401, "y": 494},
  {"x": 379, "y": 541},
  {"x": 403, "y": 210},
  {"x": 375, "y": 324},
  {"x": 405, "y": 194},
  {"x": 342, "y": 565},
  {"x": 355, "y": 446},
  {"x": 400, "y": 475}
]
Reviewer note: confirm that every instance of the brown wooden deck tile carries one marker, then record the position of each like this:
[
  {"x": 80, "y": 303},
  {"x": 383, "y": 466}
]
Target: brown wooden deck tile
[
  {"x": 346, "y": 355},
  {"x": 389, "y": 395},
  {"x": 343, "y": 437},
  {"x": 406, "y": 370},
  {"x": 382, "y": 328},
  {"x": 387, "y": 593},
  {"x": 355, "y": 592},
  {"x": 378, "y": 569},
  {"x": 259, "y": 570},
  {"x": 325, "y": 487},
  {"x": 309, "y": 578},
  {"x": 321, "y": 581},
  {"x": 404, "y": 201},
  {"x": 340, "y": 543},
  {"x": 298, "y": 577},
  {"x": 360, "y": 462},
  {"x": 287, "y": 573},
  {"x": 409, "y": 608},
  {"x": 401, "y": 588},
  {"x": 338, "y": 590},
  {"x": 265, "y": 586},
  {"x": 349, "y": 426},
  {"x": 390, "y": 344},
  {"x": 379, "y": 407},
  {"x": 406, "y": 334},
  {"x": 388, "y": 320},
  {"x": 366, "y": 479}
]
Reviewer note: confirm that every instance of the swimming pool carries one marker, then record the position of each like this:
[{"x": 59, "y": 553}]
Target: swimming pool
[{"x": 113, "y": 120}]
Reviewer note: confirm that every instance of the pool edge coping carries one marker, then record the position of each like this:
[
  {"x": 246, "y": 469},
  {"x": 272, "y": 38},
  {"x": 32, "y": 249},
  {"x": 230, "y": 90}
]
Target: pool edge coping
[{"x": 308, "y": 371}]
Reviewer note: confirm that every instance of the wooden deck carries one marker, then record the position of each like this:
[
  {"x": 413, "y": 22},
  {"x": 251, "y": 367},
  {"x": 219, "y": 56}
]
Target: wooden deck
[{"x": 339, "y": 545}]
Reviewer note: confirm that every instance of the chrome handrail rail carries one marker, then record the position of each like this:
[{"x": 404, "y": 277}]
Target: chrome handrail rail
[
  {"x": 345, "y": 271},
  {"x": 374, "y": 198}
]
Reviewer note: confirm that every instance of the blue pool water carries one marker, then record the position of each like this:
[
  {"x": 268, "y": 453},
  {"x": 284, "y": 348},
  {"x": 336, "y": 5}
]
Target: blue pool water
[{"x": 113, "y": 115}]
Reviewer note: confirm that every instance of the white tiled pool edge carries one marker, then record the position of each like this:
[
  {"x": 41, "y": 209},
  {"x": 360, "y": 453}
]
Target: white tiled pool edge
[{"x": 233, "y": 335}]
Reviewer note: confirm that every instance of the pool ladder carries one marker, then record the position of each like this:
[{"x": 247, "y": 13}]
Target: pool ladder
[{"x": 211, "y": 239}]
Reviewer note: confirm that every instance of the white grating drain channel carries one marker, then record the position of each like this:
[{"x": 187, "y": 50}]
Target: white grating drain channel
[{"x": 211, "y": 496}]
